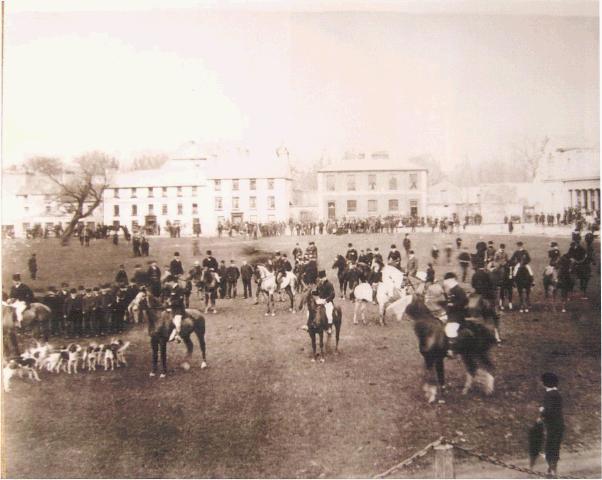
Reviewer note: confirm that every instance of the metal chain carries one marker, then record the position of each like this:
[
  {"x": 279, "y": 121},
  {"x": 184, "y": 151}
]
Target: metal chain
[
  {"x": 411, "y": 459},
  {"x": 495, "y": 461}
]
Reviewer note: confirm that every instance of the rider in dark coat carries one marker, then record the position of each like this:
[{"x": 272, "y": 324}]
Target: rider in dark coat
[
  {"x": 351, "y": 255},
  {"x": 210, "y": 262},
  {"x": 326, "y": 293},
  {"x": 554, "y": 254},
  {"x": 175, "y": 266},
  {"x": 394, "y": 257},
  {"x": 457, "y": 301}
]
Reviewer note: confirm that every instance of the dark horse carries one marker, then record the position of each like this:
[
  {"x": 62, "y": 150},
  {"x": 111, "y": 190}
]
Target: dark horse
[
  {"x": 472, "y": 344},
  {"x": 317, "y": 323},
  {"x": 160, "y": 326},
  {"x": 209, "y": 285}
]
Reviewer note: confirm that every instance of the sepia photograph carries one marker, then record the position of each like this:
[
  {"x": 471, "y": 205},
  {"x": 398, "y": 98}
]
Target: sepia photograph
[{"x": 300, "y": 239}]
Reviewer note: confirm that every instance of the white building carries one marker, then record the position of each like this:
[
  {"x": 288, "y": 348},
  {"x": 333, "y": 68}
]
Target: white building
[
  {"x": 569, "y": 177},
  {"x": 197, "y": 189},
  {"x": 370, "y": 186}
]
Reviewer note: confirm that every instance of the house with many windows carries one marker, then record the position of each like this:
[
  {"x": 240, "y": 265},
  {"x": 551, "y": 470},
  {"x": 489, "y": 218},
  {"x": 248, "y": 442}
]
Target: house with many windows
[
  {"x": 372, "y": 185},
  {"x": 196, "y": 189}
]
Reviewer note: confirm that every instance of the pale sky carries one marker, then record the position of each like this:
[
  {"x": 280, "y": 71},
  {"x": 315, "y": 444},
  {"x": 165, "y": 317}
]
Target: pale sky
[{"x": 451, "y": 79}]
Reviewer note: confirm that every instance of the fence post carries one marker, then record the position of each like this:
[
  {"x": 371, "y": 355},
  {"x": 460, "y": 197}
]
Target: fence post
[{"x": 444, "y": 461}]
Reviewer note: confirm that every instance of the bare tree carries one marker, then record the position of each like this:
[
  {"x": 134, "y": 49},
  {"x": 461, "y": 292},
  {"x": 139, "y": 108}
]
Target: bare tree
[
  {"x": 149, "y": 161},
  {"x": 529, "y": 152},
  {"x": 79, "y": 189}
]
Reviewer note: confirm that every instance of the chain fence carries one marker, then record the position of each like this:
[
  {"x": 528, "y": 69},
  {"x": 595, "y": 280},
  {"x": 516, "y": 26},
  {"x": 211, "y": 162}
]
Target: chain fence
[{"x": 483, "y": 457}]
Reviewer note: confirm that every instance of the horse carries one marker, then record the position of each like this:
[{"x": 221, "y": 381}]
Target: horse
[
  {"x": 341, "y": 265},
  {"x": 209, "y": 283},
  {"x": 583, "y": 270},
  {"x": 473, "y": 343},
  {"x": 160, "y": 326},
  {"x": 288, "y": 282},
  {"x": 317, "y": 323},
  {"x": 389, "y": 289},
  {"x": 10, "y": 343},
  {"x": 266, "y": 283},
  {"x": 523, "y": 282},
  {"x": 36, "y": 318},
  {"x": 503, "y": 280}
]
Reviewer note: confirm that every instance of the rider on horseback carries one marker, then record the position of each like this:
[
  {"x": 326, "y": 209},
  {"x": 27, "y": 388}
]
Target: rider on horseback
[
  {"x": 394, "y": 257},
  {"x": 457, "y": 301},
  {"x": 177, "y": 305},
  {"x": 326, "y": 293},
  {"x": 21, "y": 297}
]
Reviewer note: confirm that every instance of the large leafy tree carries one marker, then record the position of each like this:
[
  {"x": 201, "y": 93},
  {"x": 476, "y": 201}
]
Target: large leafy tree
[{"x": 79, "y": 186}]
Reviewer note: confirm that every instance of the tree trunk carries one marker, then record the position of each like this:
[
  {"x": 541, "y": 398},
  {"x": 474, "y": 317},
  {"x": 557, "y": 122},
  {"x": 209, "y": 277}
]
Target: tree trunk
[{"x": 68, "y": 232}]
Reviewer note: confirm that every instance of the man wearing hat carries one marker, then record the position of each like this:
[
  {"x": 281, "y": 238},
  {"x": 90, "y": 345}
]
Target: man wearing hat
[
  {"x": 154, "y": 278},
  {"x": 394, "y": 257},
  {"x": 553, "y": 421},
  {"x": 554, "y": 254},
  {"x": 210, "y": 262},
  {"x": 104, "y": 309},
  {"x": 223, "y": 283},
  {"x": 326, "y": 293},
  {"x": 351, "y": 255},
  {"x": 297, "y": 252},
  {"x": 369, "y": 257},
  {"x": 122, "y": 276},
  {"x": 489, "y": 253},
  {"x": 312, "y": 252},
  {"x": 378, "y": 258},
  {"x": 500, "y": 258},
  {"x": 457, "y": 301},
  {"x": 175, "y": 266},
  {"x": 21, "y": 296},
  {"x": 520, "y": 257},
  {"x": 88, "y": 304},
  {"x": 73, "y": 312},
  {"x": 232, "y": 274},
  {"x": 464, "y": 260},
  {"x": 176, "y": 302},
  {"x": 407, "y": 244},
  {"x": 52, "y": 301},
  {"x": 246, "y": 273}
]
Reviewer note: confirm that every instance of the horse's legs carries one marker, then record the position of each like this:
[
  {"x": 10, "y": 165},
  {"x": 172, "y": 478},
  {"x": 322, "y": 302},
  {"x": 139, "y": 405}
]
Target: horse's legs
[
  {"x": 440, "y": 368},
  {"x": 471, "y": 370},
  {"x": 189, "y": 345},
  {"x": 321, "y": 334},
  {"x": 291, "y": 296},
  {"x": 363, "y": 310},
  {"x": 207, "y": 295},
  {"x": 312, "y": 335},
  {"x": 337, "y": 329},
  {"x": 271, "y": 298},
  {"x": 430, "y": 383},
  {"x": 356, "y": 307},
  {"x": 200, "y": 333}
]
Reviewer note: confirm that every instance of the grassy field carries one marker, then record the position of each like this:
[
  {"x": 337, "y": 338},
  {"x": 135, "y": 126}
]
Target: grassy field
[{"x": 262, "y": 409}]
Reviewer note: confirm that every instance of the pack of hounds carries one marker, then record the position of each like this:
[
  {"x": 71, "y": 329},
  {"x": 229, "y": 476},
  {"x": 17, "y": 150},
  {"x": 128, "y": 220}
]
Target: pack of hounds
[{"x": 67, "y": 359}]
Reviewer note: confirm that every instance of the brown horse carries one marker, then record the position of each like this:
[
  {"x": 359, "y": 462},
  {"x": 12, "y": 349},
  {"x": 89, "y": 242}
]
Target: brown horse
[
  {"x": 317, "y": 323},
  {"x": 160, "y": 326}
]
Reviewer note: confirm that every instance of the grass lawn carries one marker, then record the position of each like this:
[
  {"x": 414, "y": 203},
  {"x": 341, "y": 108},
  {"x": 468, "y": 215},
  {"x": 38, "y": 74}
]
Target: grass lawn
[{"x": 262, "y": 409}]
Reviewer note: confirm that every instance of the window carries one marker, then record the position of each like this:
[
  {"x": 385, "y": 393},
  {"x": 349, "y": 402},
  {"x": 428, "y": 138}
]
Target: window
[
  {"x": 47, "y": 208},
  {"x": 253, "y": 184},
  {"x": 134, "y": 210},
  {"x": 164, "y": 209},
  {"x": 392, "y": 182},
  {"x": 218, "y": 203},
  {"x": 413, "y": 181},
  {"x": 164, "y": 191},
  {"x": 235, "y": 203},
  {"x": 350, "y": 182},
  {"x": 253, "y": 203},
  {"x": 180, "y": 209},
  {"x": 133, "y": 194},
  {"x": 151, "y": 209},
  {"x": 115, "y": 193},
  {"x": 179, "y": 190},
  {"x": 393, "y": 205},
  {"x": 218, "y": 185},
  {"x": 235, "y": 184},
  {"x": 372, "y": 205},
  {"x": 195, "y": 209},
  {"x": 270, "y": 184},
  {"x": 371, "y": 182},
  {"x": 271, "y": 203},
  {"x": 150, "y": 192},
  {"x": 351, "y": 206},
  {"x": 330, "y": 183},
  {"x": 194, "y": 191}
]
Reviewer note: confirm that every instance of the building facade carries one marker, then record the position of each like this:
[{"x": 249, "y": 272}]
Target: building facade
[
  {"x": 372, "y": 186},
  {"x": 196, "y": 190}
]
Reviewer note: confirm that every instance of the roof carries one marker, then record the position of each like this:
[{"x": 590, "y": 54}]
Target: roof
[
  {"x": 38, "y": 185},
  {"x": 372, "y": 163},
  {"x": 159, "y": 177}
]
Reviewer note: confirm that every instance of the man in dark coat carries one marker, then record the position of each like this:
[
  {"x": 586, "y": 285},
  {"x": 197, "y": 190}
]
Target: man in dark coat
[
  {"x": 297, "y": 252},
  {"x": 232, "y": 274},
  {"x": 22, "y": 295},
  {"x": 154, "y": 279},
  {"x": 32, "y": 263},
  {"x": 351, "y": 255},
  {"x": 520, "y": 257},
  {"x": 53, "y": 302},
  {"x": 210, "y": 262},
  {"x": 378, "y": 258},
  {"x": 326, "y": 293},
  {"x": 222, "y": 279},
  {"x": 553, "y": 254},
  {"x": 122, "y": 277},
  {"x": 73, "y": 312},
  {"x": 246, "y": 273},
  {"x": 175, "y": 266},
  {"x": 457, "y": 301},
  {"x": 407, "y": 244},
  {"x": 394, "y": 257},
  {"x": 144, "y": 247},
  {"x": 464, "y": 260},
  {"x": 553, "y": 421}
]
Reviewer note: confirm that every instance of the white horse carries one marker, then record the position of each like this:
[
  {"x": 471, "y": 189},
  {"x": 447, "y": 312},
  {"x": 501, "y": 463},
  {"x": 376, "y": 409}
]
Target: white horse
[
  {"x": 387, "y": 291},
  {"x": 267, "y": 285},
  {"x": 288, "y": 283}
]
